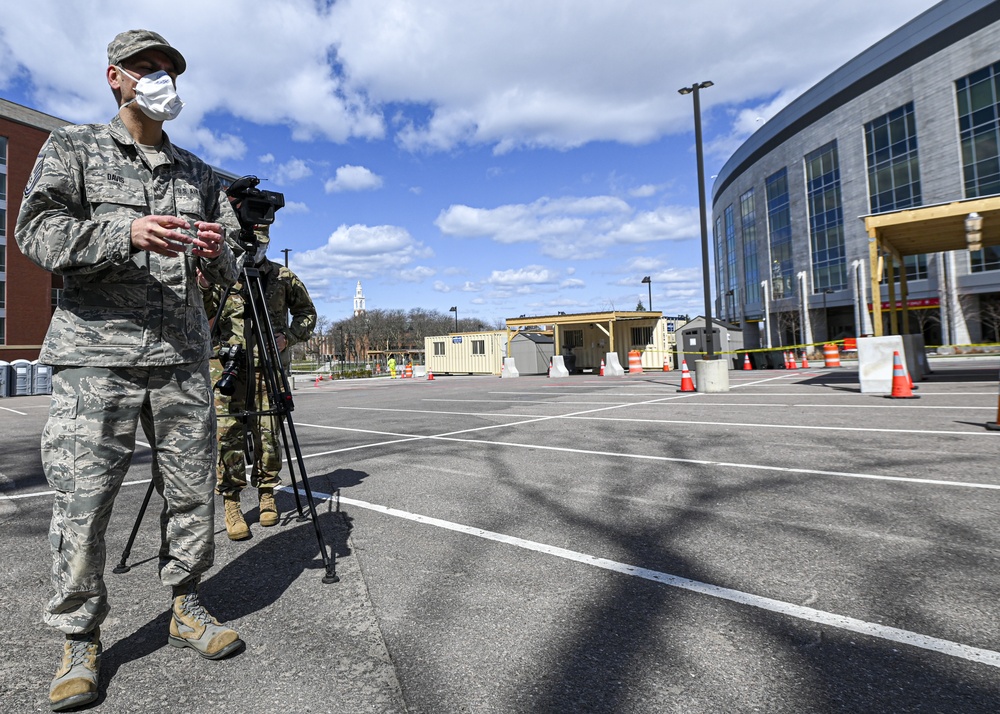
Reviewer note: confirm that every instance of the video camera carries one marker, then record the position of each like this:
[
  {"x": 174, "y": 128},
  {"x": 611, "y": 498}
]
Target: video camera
[
  {"x": 232, "y": 358},
  {"x": 253, "y": 206}
]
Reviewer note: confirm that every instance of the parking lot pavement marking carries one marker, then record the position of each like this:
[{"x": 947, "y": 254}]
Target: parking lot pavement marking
[
  {"x": 452, "y": 436},
  {"x": 14, "y": 411},
  {"x": 529, "y": 418},
  {"x": 821, "y": 617}
]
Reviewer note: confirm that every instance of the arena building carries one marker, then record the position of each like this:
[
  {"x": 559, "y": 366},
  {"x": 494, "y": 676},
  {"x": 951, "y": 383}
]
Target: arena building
[{"x": 872, "y": 183}]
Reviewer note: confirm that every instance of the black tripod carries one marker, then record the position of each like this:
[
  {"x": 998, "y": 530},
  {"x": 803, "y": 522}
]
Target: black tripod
[{"x": 260, "y": 341}]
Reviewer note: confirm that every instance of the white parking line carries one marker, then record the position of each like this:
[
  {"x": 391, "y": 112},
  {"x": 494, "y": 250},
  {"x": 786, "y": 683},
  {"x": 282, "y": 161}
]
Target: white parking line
[
  {"x": 452, "y": 436},
  {"x": 820, "y": 617},
  {"x": 582, "y": 415}
]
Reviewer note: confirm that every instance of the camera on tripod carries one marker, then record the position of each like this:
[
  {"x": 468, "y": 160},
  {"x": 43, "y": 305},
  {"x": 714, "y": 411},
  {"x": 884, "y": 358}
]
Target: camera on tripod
[
  {"x": 232, "y": 358},
  {"x": 254, "y": 207}
]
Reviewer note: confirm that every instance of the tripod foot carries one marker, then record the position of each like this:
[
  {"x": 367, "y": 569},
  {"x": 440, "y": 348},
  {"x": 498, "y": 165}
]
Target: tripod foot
[
  {"x": 302, "y": 519},
  {"x": 331, "y": 578},
  {"x": 121, "y": 568}
]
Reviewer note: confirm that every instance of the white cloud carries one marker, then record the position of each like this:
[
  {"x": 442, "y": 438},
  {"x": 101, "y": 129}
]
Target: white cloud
[
  {"x": 530, "y": 275},
  {"x": 295, "y": 207},
  {"x": 570, "y": 227},
  {"x": 507, "y": 75},
  {"x": 359, "y": 251},
  {"x": 291, "y": 171},
  {"x": 644, "y": 191},
  {"x": 353, "y": 178},
  {"x": 266, "y": 159},
  {"x": 572, "y": 283}
]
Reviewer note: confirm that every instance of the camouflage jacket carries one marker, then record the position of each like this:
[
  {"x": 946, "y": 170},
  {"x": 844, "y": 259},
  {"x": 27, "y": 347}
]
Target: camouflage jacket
[
  {"x": 120, "y": 306},
  {"x": 284, "y": 293}
]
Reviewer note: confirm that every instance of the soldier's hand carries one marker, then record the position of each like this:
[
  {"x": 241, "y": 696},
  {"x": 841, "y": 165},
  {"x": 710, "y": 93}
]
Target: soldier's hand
[
  {"x": 171, "y": 236},
  {"x": 281, "y": 341}
]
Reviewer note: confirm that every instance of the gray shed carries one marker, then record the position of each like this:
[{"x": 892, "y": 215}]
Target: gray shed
[{"x": 531, "y": 352}]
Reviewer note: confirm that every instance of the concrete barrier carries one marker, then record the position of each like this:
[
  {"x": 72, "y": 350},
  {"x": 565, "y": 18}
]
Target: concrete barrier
[
  {"x": 712, "y": 376},
  {"x": 875, "y": 362},
  {"x": 509, "y": 371},
  {"x": 557, "y": 368},
  {"x": 612, "y": 367}
]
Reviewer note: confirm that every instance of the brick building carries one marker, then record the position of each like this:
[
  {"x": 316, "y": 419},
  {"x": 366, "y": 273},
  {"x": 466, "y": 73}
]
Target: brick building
[{"x": 27, "y": 293}]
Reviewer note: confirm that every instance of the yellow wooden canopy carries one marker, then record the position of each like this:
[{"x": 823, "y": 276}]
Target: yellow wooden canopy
[
  {"x": 604, "y": 321},
  {"x": 916, "y": 231}
]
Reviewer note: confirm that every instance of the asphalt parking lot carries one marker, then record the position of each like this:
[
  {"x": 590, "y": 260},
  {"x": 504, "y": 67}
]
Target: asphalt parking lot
[{"x": 577, "y": 545}]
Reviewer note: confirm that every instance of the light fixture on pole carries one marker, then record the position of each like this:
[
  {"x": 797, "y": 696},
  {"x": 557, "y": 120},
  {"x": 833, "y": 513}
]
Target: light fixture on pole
[
  {"x": 974, "y": 231},
  {"x": 694, "y": 89},
  {"x": 649, "y": 283},
  {"x": 286, "y": 251},
  {"x": 454, "y": 309}
]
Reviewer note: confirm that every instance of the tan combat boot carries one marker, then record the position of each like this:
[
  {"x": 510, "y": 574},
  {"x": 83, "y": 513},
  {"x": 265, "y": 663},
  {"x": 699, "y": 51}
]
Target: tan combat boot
[
  {"x": 236, "y": 527},
  {"x": 75, "y": 683},
  {"x": 268, "y": 508},
  {"x": 192, "y": 626}
]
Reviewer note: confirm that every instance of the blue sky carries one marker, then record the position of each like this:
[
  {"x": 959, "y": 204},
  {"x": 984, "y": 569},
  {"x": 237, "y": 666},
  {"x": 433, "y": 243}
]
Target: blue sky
[{"x": 508, "y": 158}]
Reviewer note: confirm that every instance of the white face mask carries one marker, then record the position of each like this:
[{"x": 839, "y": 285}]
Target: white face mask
[
  {"x": 156, "y": 96},
  {"x": 261, "y": 255}
]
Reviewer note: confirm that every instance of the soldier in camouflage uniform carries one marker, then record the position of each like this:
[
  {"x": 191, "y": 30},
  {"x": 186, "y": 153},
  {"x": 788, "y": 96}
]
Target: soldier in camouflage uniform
[
  {"x": 128, "y": 219},
  {"x": 283, "y": 293}
]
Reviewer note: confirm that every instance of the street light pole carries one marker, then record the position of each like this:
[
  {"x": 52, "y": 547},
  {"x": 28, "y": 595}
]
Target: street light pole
[
  {"x": 693, "y": 89},
  {"x": 286, "y": 251},
  {"x": 454, "y": 309},
  {"x": 649, "y": 284}
]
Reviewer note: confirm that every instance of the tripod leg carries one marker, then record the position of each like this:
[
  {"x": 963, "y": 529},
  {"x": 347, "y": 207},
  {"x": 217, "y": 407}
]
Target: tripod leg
[{"x": 122, "y": 567}]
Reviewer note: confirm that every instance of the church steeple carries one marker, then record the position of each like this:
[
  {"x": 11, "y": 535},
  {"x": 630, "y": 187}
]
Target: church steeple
[{"x": 359, "y": 301}]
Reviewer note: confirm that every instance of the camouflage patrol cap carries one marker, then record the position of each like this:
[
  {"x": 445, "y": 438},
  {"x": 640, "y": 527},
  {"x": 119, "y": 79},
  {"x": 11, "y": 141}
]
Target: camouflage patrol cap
[
  {"x": 132, "y": 42},
  {"x": 261, "y": 234}
]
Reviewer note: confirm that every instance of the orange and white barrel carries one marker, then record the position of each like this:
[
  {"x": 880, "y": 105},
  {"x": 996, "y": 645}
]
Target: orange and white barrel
[
  {"x": 831, "y": 356},
  {"x": 635, "y": 362}
]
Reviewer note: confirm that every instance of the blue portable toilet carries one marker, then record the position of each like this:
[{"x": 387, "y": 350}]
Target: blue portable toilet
[
  {"x": 4, "y": 378},
  {"x": 41, "y": 378},
  {"x": 20, "y": 378}
]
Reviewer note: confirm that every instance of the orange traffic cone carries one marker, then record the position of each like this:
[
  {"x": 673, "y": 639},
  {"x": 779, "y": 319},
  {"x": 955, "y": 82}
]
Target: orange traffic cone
[
  {"x": 785, "y": 355},
  {"x": 316, "y": 383},
  {"x": 430, "y": 375},
  {"x": 805, "y": 362},
  {"x": 666, "y": 364},
  {"x": 791, "y": 360},
  {"x": 687, "y": 384},
  {"x": 900, "y": 384},
  {"x": 602, "y": 369},
  {"x": 746, "y": 362}
]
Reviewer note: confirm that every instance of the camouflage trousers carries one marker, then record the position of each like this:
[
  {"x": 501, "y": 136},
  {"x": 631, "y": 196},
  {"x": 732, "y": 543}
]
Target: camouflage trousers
[
  {"x": 87, "y": 447},
  {"x": 231, "y": 472}
]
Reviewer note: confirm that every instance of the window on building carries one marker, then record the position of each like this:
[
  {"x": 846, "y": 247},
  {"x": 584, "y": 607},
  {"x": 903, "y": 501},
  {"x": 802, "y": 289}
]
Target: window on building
[
  {"x": 751, "y": 272},
  {"x": 3, "y": 330},
  {"x": 826, "y": 218},
  {"x": 3, "y": 293},
  {"x": 893, "y": 167},
  {"x": 916, "y": 268},
  {"x": 779, "y": 228},
  {"x": 3, "y": 150},
  {"x": 731, "y": 275},
  {"x": 978, "y": 96},
  {"x": 438, "y": 348},
  {"x": 572, "y": 338},
  {"x": 3, "y": 187},
  {"x": 720, "y": 254},
  {"x": 986, "y": 259},
  {"x": 3, "y": 225},
  {"x": 3, "y": 258},
  {"x": 479, "y": 347},
  {"x": 642, "y": 335}
]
